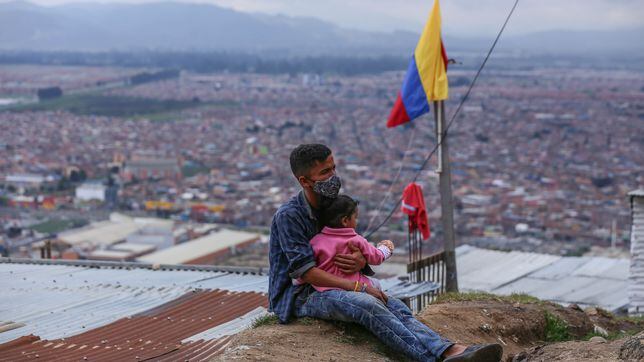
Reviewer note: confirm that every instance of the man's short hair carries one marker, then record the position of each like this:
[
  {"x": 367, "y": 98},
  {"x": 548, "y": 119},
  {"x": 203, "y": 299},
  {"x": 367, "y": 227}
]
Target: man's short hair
[{"x": 304, "y": 157}]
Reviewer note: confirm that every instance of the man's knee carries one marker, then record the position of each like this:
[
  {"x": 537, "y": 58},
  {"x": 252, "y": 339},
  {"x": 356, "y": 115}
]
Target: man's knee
[
  {"x": 398, "y": 305},
  {"x": 345, "y": 306}
]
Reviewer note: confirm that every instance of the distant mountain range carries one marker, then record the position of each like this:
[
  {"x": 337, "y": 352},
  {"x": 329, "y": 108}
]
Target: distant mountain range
[{"x": 200, "y": 27}]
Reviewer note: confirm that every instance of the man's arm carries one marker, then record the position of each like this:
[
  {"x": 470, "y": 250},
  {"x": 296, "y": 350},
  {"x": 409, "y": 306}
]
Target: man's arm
[
  {"x": 353, "y": 263},
  {"x": 320, "y": 278}
]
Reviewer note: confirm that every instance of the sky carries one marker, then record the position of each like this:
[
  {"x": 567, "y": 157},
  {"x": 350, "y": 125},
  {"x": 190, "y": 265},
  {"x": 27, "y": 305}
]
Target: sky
[{"x": 460, "y": 17}]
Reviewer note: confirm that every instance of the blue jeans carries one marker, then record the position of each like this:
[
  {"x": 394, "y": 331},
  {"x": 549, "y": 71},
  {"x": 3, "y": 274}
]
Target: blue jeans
[{"x": 393, "y": 324}]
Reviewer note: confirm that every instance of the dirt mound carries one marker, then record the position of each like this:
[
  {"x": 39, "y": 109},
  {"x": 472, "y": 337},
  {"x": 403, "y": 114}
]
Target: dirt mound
[
  {"x": 597, "y": 349},
  {"x": 516, "y": 326},
  {"x": 527, "y": 330},
  {"x": 573, "y": 351},
  {"x": 307, "y": 340}
]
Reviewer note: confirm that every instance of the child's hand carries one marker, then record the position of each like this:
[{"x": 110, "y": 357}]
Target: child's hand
[{"x": 387, "y": 243}]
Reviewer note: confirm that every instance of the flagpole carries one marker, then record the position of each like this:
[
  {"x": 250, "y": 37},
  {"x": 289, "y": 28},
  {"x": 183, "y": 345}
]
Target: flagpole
[{"x": 447, "y": 206}]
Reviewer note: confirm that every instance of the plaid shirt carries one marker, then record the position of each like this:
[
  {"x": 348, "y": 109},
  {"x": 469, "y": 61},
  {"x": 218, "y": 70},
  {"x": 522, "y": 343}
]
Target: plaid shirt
[{"x": 290, "y": 254}]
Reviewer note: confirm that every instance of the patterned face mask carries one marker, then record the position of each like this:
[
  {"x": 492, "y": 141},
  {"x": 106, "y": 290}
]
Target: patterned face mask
[{"x": 329, "y": 188}]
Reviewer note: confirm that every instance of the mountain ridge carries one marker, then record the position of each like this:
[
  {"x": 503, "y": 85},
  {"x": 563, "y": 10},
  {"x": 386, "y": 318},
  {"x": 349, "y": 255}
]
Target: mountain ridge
[{"x": 172, "y": 26}]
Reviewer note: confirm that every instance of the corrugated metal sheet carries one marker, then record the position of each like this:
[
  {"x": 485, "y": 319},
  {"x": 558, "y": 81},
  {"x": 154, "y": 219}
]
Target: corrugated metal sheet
[
  {"x": 48, "y": 299},
  {"x": 229, "y": 328},
  {"x": 402, "y": 290},
  {"x": 636, "y": 280},
  {"x": 155, "y": 333},
  {"x": 595, "y": 281},
  {"x": 67, "y": 312},
  {"x": 481, "y": 269}
]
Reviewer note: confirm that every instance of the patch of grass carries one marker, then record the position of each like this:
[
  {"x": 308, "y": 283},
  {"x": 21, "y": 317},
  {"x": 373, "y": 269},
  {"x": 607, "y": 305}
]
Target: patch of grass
[
  {"x": 192, "y": 169},
  {"x": 107, "y": 105},
  {"x": 306, "y": 321},
  {"x": 631, "y": 319},
  {"x": 55, "y": 226},
  {"x": 522, "y": 298},
  {"x": 556, "y": 329},
  {"x": 482, "y": 296},
  {"x": 265, "y": 320}
]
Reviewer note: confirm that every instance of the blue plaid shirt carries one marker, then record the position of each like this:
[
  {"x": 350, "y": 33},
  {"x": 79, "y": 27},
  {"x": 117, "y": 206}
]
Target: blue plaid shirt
[{"x": 290, "y": 254}]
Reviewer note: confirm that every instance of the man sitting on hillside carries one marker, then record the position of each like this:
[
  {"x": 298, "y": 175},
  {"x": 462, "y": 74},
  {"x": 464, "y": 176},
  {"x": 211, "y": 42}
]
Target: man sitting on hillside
[{"x": 291, "y": 257}]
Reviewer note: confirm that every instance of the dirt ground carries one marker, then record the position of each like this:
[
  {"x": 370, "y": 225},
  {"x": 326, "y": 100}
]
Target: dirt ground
[
  {"x": 308, "y": 340},
  {"x": 574, "y": 351},
  {"x": 521, "y": 329},
  {"x": 516, "y": 326}
]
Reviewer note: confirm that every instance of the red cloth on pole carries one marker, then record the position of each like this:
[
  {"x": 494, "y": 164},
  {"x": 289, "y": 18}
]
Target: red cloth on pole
[{"x": 413, "y": 204}]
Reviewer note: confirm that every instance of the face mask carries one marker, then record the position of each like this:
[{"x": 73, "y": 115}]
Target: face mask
[{"x": 328, "y": 188}]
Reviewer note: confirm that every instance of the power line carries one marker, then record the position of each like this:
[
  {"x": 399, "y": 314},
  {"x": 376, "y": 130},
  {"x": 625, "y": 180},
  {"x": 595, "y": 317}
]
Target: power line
[
  {"x": 393, "y": 182},
  {"x": 456, "y": 112}
]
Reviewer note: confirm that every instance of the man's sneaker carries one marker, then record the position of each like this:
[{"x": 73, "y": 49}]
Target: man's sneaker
[{"x": 479, "y": 353}]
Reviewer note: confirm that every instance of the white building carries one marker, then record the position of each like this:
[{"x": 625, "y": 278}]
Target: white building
[
  {"x": 636, "y": 278},
  {"x": 89, "y": 191}
]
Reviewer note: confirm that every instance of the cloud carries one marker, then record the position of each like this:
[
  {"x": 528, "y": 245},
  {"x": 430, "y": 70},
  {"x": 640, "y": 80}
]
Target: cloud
[{"x": 460, "y": 17}]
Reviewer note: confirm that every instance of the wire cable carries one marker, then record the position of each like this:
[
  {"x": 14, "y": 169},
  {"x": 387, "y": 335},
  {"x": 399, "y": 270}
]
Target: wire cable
[
  {"x": 393, "y": 182},
  {"x": 454, "y": 115}
]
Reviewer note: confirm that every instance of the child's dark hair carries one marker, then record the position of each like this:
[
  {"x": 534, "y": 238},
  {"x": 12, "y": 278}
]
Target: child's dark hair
[{"x": 338, "y": 208}]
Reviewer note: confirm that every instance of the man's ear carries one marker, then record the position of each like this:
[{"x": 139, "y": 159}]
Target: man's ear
[{"x": 303, "y": 181}]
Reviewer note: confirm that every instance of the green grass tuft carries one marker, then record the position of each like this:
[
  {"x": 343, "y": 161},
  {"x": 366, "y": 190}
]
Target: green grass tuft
[
  {"x": 631, "y": 319},
  {"x": 265, "y": 320},
  {"x": 483, "y": 296},
  {"x": 556, "y": 329},
  {"x": 306, "y": 321}
]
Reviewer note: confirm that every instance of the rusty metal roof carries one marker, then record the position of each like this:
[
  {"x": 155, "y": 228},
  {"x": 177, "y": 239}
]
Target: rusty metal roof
[{"x": 106, "y": 313}]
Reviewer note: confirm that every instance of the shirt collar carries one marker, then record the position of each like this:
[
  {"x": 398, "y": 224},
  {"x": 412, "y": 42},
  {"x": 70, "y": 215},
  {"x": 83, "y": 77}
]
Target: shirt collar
[
  {"x": 305, "y": 203},
  {"x": 339, "y": 231}
]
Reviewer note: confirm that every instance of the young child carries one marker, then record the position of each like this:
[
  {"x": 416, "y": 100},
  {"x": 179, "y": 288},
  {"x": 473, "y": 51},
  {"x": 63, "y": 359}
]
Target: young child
[{"x": 340, "y": 219}]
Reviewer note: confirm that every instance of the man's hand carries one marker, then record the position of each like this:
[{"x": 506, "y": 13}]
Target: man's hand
[
  {"x": 350, "y": 263},
  {"x": 379, "y": 294}
]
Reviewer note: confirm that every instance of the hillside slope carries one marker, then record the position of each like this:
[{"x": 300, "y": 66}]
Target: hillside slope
[{"x": 529, "y": 331}]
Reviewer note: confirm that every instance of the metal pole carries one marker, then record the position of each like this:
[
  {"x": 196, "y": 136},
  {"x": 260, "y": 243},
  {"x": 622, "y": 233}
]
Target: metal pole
[{"x": 447, "y": 205}]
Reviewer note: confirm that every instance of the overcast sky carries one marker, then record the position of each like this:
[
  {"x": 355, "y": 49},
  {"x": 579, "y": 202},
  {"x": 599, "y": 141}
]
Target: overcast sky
[{"x": 460, "y": 17}]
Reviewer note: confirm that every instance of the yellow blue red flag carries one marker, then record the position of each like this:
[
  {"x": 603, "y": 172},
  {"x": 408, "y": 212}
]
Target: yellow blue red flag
[{"x": 426, "y": 78}]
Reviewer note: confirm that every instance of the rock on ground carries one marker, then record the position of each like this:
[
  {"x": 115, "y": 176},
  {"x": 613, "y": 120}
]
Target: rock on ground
[{"x": 633, "y": 348}]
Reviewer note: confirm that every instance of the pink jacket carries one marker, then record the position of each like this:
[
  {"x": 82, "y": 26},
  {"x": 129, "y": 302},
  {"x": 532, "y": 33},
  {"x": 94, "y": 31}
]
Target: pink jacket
[{"x": 331, "y": 241}]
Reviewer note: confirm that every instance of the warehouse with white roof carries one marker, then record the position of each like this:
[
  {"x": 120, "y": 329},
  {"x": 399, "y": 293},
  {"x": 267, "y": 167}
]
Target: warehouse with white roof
[{"x": 205, "y": 250}]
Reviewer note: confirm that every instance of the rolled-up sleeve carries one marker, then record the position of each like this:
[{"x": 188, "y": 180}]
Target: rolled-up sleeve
[{"x": 294, "y": 244}]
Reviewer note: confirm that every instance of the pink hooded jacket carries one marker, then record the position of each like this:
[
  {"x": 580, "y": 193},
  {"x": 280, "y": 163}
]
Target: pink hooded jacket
[{"x": 331, "y": 242}]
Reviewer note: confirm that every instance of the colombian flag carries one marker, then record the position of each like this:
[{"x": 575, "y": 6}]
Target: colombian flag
[{"x": 426, "y": 78}]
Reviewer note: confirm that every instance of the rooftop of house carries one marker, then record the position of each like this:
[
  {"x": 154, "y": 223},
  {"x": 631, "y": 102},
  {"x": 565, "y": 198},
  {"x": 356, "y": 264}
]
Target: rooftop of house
[{"x": 93, "y": 310}]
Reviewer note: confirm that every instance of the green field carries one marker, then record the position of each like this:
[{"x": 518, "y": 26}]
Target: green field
[
  {"x": 111, "y": 106},
  {"x": 54, "y": 226}
]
